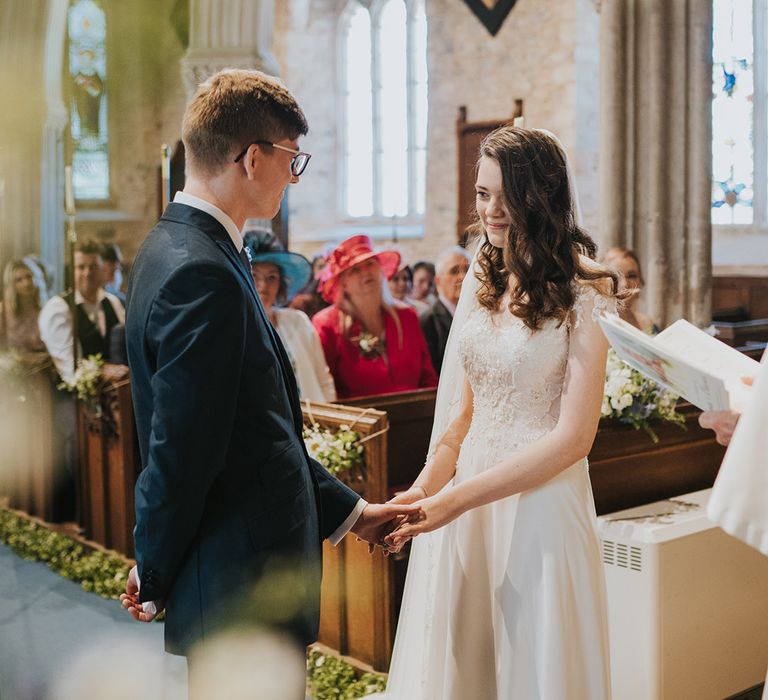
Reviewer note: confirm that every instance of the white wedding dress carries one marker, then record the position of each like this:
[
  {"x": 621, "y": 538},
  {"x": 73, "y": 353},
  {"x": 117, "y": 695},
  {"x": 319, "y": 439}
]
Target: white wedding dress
[{"x": 508, "y": 600}]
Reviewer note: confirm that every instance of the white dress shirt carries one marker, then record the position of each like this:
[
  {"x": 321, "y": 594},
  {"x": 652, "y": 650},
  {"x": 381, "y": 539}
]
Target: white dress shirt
[{"x": 55, "y": 324}]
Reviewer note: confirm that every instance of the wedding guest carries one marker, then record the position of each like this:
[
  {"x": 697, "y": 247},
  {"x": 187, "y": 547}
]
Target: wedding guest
[
  {"x": 371, "y": 346},
  {"x": 98, "y": 313},
  {"x": 451, "y": 269},
  {"x": 309, "y": 300},
  {"x": 423, "y": 288},
  {"x": 112, "y": 258},
  {"x": 23, "y": 298},
  {"x": 401, "y": 288},
  {"x": 626, "y": 264},
  {"x": 278, "y": 275},
  {"x": 400, "y": 283}
]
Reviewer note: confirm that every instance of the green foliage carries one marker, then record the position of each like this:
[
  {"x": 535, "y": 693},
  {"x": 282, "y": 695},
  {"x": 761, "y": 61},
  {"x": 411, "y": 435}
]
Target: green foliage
[
  {"x": 97, "y": 572},
  {"x": 330, "y": 678},
  {"x": 87, "y": 381},
  {"x": 338, "y": 452}
]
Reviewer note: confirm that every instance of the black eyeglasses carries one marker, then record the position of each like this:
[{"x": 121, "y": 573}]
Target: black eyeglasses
[{"x": 298, "y": 162}]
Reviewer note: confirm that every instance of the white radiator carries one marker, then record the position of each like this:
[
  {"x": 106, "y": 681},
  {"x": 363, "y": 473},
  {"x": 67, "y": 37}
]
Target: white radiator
[{"x": 687, "y": 604}]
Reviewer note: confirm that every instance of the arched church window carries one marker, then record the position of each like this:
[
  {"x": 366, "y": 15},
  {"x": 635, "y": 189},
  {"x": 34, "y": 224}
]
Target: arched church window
[
  {"x": 739, "y": 113},
  {"x": 87, "y": 32},
  {"x": 383, "y": 60}
]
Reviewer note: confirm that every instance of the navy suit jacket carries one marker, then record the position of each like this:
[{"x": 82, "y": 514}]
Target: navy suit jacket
[{"x": 230, "y": 509}]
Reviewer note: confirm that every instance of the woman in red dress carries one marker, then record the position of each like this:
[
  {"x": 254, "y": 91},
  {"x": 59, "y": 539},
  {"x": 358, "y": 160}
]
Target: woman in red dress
[{"x": 371, "y": 347}]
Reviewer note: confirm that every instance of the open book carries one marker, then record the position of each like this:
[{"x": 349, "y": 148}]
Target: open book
[{"x": 685, "y": 360}]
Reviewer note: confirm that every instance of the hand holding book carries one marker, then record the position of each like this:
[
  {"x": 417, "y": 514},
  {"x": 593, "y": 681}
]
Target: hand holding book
[{"x": 685, "y": 360}]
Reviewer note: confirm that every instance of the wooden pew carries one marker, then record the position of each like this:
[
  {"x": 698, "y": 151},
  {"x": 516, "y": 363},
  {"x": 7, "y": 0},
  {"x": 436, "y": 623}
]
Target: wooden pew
[
  {"x": 361, "y": 593},
  {"x": 356, "y": 596},
  {"x": 739, "y": 298},
  {"x": 739, "y": 333},
  {"x": 626, "y": 469},
  {"x": 109, "y": 464}
]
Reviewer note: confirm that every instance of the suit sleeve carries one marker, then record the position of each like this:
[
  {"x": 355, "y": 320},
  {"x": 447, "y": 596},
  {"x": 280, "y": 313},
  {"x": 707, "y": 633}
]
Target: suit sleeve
[
  {"x": 337, "y": 500},
  {"x": 196, "y": 331}
]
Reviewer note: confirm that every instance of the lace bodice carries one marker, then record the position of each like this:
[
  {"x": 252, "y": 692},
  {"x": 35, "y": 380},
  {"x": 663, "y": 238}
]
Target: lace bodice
[{"x": 517, "y": 375}]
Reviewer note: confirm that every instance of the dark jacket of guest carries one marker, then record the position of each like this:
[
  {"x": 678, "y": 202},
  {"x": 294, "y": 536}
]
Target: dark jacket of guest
[
  {"x": 358, "y": 373},
  {"x": 436, "y": 325},
  {"x": 227, "y": 488}
]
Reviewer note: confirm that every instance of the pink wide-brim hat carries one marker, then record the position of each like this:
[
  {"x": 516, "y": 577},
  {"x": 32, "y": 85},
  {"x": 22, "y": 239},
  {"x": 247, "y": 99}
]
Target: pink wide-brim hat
[{"x": 349, "y": 253}]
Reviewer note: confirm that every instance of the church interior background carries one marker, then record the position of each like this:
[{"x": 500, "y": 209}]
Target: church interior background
[{"x": 662, "y": 106}]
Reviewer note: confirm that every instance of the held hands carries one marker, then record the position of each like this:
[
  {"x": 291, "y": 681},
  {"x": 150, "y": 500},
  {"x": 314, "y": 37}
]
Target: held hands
[
  {"x": 130, "y": 600},
  {"x": 436, "y": 511},
  {"x": 378, "y": 519}
]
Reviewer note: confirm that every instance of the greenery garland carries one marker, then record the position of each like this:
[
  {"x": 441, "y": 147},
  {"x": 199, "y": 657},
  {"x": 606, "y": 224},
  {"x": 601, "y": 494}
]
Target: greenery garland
[
  {"x": 331, "y": 678},
  {"x": 105, "y": 573}
]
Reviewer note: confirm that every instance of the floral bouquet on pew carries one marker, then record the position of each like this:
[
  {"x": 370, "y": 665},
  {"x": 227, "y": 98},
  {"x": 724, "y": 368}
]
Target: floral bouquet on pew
[
  {"x": 632, "y": 398},
  {"x": 340, "y": 452},
  {"x": 87, "y": 382}
]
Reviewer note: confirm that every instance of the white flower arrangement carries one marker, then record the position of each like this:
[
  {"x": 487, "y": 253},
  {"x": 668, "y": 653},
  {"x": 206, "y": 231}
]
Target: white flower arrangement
[
  {"x": 338, "y": 452},
  {"x": 632, "y": 398},
  {"x": 87, "y": 381}
]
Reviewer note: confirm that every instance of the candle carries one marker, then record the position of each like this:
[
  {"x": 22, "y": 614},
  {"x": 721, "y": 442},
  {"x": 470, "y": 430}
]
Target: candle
[{"x": 69, "y": 197}]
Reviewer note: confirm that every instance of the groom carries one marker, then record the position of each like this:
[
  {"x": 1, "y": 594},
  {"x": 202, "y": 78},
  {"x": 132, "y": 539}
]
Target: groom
[{"x": 228, "y": 496}]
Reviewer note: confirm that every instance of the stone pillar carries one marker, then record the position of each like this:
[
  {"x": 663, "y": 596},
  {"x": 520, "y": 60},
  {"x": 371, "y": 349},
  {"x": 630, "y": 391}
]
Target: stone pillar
[
  {"x": 228, "y": 34},
  {"x": 52, "y": 229},
  {"x": 655, "y": 154}
]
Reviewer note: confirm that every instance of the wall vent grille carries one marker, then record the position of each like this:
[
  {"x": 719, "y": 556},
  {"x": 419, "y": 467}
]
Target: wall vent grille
[{"x": 622, "y": 555}]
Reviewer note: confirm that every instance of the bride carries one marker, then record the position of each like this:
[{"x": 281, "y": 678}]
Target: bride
[{"x": 505, "y": 596}]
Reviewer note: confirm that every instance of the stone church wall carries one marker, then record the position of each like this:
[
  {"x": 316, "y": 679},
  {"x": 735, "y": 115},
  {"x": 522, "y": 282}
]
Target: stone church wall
[{"x": 546, "y": 53}]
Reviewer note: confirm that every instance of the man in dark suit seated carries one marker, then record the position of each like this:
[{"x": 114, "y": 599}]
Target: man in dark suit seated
[
  {"x": 228, "y": 496},
  {"x": 451, "y": 268}
]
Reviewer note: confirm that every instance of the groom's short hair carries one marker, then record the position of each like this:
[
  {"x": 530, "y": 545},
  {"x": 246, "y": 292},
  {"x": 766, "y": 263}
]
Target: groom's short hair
[{"x": 231, "y": 110}]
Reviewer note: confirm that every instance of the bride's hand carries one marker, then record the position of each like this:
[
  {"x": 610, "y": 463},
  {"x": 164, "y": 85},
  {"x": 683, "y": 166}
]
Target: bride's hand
[
  {"x": 413, "y": 494},
  {"x": 436, "y": 511}
]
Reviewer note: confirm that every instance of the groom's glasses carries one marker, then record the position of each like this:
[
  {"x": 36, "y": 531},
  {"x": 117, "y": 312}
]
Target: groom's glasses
[{"x": 298, "y": 162}]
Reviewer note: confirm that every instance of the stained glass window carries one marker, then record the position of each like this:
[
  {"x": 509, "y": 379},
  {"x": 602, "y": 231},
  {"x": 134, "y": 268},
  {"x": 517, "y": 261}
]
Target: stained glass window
[
  {"x": 87, "y": 27},
  {"x": 733, "y": 153},
  {"x": 385, "y": 81}
]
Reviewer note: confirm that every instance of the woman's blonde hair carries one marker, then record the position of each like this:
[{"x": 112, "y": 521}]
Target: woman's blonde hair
[{"x": 11, "y": 303}]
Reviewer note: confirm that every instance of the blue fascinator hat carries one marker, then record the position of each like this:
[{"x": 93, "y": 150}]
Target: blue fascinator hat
[{"x": 262, "y": 246}]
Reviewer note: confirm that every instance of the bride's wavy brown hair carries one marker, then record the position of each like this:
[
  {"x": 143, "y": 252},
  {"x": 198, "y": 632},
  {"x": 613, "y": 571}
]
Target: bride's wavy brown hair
[{"x": 544, "y": 244}]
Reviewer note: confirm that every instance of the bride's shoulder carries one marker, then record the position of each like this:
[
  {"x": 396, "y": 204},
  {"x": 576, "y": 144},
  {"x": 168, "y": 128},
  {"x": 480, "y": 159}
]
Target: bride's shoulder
[{"x": 593, "y": 295}]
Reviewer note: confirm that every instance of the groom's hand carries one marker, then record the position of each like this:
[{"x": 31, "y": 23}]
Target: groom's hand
[
  {"x": 379, "y": 519},
  {"x": 130, "y": 600}
]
